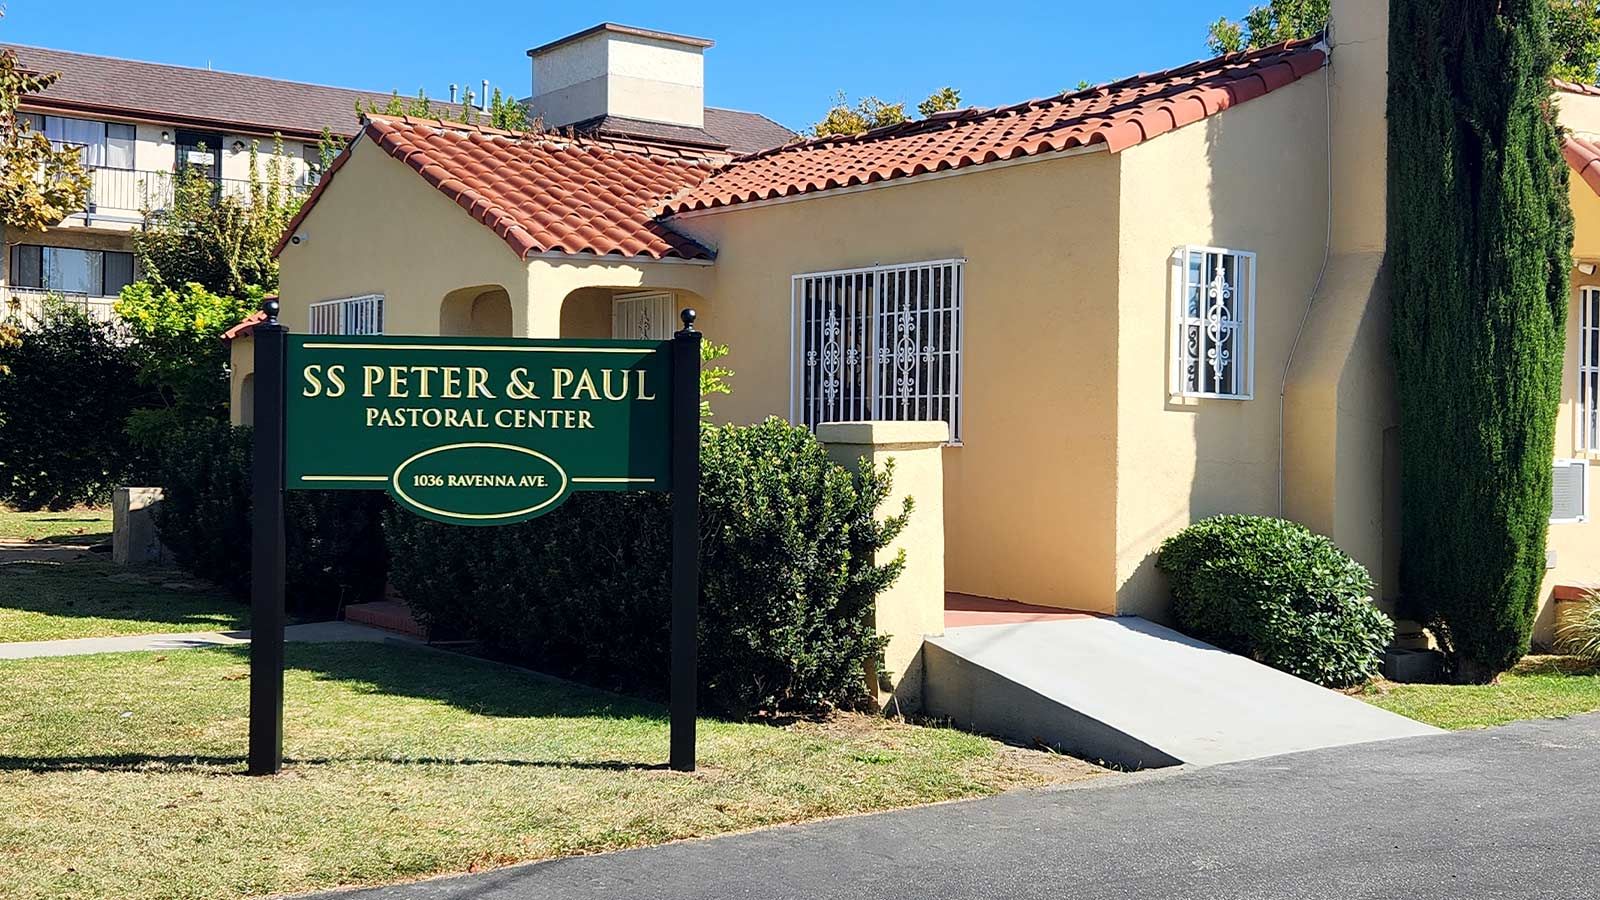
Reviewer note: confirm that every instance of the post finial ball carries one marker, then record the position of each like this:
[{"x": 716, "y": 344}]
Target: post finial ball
[
  {"x": 688, "y": 316},
  {"x": 271, "y": 306}
]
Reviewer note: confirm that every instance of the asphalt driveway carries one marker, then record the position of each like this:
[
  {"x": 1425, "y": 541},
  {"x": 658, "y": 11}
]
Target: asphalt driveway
[{"x": 1510, "y": 812}]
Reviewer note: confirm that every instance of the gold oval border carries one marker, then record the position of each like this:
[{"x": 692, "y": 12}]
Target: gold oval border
[{"x": 394, "y": 481}]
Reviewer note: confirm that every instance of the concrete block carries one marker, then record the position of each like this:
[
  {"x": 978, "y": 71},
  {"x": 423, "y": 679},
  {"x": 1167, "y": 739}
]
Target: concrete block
[
  {"x": 133, "y": 526},
  {"x": 1413, "y": 666}
]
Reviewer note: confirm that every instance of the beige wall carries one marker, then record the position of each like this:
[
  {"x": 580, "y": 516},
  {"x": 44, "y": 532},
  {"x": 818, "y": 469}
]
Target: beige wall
[
  {"x": 1252, "y": 179},
  {"x": 379, "y": 228},
  {"x": 1030, "y": 496},
  {"x": 241, "y": 375}
]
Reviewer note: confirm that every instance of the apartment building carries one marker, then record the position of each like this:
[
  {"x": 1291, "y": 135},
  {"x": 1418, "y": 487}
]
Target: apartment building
[{"x": 138, "y": 123}]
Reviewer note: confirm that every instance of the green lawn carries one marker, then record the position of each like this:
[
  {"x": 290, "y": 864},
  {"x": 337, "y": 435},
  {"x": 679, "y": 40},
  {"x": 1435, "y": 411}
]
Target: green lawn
[
  {"x": 92, "y": 598},
  {"x": 1539, "y": 687},
  {"x": 120, "y": 772},
  {"x": 88, "y": 526}
]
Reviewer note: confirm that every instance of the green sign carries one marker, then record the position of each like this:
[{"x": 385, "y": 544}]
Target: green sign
[{"x": 477, "y": 431}]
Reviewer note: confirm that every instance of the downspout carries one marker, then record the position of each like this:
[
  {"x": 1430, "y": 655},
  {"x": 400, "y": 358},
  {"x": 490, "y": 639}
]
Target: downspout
[{"x": 1322, "y": 272}]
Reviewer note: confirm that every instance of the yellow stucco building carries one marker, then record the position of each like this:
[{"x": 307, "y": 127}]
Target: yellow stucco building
[{"x": 1134, "y": 306}]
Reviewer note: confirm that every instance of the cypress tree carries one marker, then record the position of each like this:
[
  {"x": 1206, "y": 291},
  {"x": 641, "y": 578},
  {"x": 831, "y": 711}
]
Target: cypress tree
[{"x": 1480, "y": 237}]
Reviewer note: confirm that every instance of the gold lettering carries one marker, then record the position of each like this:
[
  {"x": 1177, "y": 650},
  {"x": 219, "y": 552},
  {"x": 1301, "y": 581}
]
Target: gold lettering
[
  {"x": 585, "y": 386},
  {"x": 643, "y": 394},
  {"x": 478, "y": 383},
  {"x": 399, "y": 382},
  {"x": 371, "y": 376},
  {"x": 560, "y": 378},
  {"x": 372, "y": 415},
  {"x": 584, "y": 419},
  {"x": 313, "y": 386},
  {"x": 621, "y": 392},
  {"x": 423, "y": 372},
  {"x": 335, "y": 375}
]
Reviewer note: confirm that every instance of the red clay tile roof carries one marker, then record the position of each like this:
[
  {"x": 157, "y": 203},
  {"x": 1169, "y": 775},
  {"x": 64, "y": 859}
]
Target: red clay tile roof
[
  {"x": 1584, "y": 157},
  {"x": 542, "y": 193},
  {"x": 183, "y": 96},
  {"x": 1117, "y": 115},
  {"x": 245, "y": 327}
]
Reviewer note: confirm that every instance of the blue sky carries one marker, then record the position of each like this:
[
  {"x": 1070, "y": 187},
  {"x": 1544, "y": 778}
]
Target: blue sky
[{"x": 785, "y": 59}]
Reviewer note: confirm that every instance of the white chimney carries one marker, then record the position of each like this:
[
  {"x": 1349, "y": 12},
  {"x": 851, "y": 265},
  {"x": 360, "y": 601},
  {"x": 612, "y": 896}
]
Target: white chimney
[{"x": 615, "y": 70}]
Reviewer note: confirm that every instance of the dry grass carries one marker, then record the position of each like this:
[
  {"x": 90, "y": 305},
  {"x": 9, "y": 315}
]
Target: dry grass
[{"x": 120, "y": 773}]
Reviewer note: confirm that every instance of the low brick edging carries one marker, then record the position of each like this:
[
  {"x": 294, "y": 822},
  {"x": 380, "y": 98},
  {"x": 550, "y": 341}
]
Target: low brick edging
[
  {"x": 390, "y": 615},
  {"x": 1571, "y": 593}
]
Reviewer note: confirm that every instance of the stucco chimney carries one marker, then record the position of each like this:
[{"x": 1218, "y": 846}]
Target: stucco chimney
[
  {"x": 616, "y": 70},
  {"x": 1359, "y": 34}
]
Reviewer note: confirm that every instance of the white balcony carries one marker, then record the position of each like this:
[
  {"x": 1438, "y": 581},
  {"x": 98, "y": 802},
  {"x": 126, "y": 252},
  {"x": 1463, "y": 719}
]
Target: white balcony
[
  {"x": 123, "y": 195},
  {"x": 26, "y": 305}
]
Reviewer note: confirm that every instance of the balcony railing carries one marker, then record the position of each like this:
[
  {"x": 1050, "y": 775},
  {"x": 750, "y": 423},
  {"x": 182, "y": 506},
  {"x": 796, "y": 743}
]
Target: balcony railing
[
  {"x": 126, "y": 193},
  {"x": 27, "y": 305}
]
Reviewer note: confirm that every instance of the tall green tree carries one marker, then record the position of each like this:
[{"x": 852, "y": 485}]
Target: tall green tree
[
  {"x": 39, "y": 184},
  {"x": 1479, "y": 253}
]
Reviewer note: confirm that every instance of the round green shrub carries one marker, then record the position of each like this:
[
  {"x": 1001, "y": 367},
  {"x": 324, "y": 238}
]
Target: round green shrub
[{"x": 1275, "y": 591}]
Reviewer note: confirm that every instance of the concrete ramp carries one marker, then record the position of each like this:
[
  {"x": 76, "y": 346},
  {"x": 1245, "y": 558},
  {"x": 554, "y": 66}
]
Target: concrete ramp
[{"x": 1136, "y": 694}]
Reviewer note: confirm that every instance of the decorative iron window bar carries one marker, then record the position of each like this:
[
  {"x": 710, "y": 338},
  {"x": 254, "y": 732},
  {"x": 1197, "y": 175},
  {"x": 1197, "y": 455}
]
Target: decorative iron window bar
[
  {"x": 1587, "y": 420},
  {"x": 882, "y": 342},
  {"x": 1214, "y": 306}
]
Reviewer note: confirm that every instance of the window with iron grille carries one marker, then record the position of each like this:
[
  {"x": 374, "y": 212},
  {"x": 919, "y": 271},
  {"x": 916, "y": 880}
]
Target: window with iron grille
[
  {"x": 643, "y": 317},
  {"x": 1588, "y": 420},
  {"x": 879, "y": 343},
  {"x": 1214, "y": 300},
  {"x": 350, "y": 315}
]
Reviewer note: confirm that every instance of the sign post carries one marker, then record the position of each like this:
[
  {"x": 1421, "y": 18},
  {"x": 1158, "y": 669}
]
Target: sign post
[
  {"x": 471, "y": 431},
  {"x": 267, "y": 549}
]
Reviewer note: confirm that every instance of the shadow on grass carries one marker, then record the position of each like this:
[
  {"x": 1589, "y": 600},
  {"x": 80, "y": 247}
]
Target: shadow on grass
[
  {"x": 135, "y": 762},
  {"x": 85, "y": 589},
  {"x": 88, "y": 537}
]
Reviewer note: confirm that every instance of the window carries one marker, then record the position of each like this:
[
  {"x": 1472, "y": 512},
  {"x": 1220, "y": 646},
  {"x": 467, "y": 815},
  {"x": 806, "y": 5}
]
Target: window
[
  {"x": 66, "y": 270},
  {"x": 879, "y": 343},
  {"x": 351, "y": 315},
  {"x": 644, "y": 317},
  {"x": 1570, "y": 497},
  {"x": 1214, "y": 300},
  {"x": 1588, "y": 421},
  {"x": 106, "y": 145}
]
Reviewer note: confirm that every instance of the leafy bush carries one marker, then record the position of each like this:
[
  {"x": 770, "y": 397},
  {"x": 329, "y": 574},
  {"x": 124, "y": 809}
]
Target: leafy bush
[
  {"x": 1272, "y": 590},
  {"x": 178, "y": 347},
  {"x": 66, "y": 386},
  {"x": 788, "y": 579},
  {"x": 335, "y": 552}
]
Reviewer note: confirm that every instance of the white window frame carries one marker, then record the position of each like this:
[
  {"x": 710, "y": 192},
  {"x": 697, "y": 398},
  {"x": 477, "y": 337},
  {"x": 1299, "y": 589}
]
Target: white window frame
[
  {"x": 1585, "y": 420},
  {"x": 1583, "y": 466},
  {"x": 861, "y": 292},
  {"x": 1243, "y": 324},
  {"x": 660, "y": 308},
  {"x": 361, "y": 314}
]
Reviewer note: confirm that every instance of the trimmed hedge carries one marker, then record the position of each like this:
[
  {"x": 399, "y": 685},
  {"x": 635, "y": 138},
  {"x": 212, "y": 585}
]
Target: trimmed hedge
[
  {"x": 335, "y": 550},
  {"x": 66, "y": 387},
  {"x": 1273, "y": 590},
  {"x": 788, "y": 580}
]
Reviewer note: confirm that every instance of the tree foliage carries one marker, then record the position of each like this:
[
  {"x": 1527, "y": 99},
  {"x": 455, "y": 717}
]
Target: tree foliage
[
  {"x": 39, "y": 184},
  {"x": 178, "y": 347},
  {"x": 1263, "y": 26},
  {"x": 1480, "y": 233},
  {"x": 871, "y": 112},
  {"x": 1574, "y": 30},
  {"x": 222, "y": 240}
]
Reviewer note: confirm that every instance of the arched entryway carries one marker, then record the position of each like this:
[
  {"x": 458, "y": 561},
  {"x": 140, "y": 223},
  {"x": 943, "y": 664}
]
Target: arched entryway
[{"x": 482, "y": 311}]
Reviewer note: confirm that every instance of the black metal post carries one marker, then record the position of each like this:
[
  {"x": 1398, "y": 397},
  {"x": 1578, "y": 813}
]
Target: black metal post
[
  {"x": 267, "y": 548},
  {"x": 685, "y": 538}
]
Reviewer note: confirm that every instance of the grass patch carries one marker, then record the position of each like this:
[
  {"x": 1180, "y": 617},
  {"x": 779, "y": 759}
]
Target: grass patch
[
  {"x": 120, "y": 772},
  {"x": 1539, "y": 687},
  {"x": 82, "y": 525},
  {"x": 92, "y": 598}
]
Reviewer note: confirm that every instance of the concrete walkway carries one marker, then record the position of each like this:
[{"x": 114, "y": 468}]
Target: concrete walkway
[
  {"x": 311, "y": 633},
  {"x": 1497, "y": 813},
  {"x": 1136, "y": 694}
]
